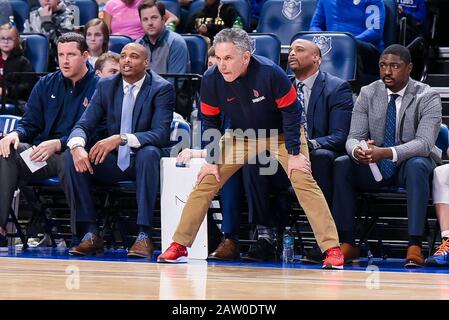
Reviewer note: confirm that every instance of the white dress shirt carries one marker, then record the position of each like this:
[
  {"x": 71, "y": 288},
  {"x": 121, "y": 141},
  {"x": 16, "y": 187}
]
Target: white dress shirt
[{"x": 133, "y": 142}]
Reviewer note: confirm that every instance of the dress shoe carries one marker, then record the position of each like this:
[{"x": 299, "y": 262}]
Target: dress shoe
[
  {"x": 228, "y": 250},
  {"x": 350, "y": 252},
  {"x": 142, "y": 248},
  {"x": 415, "y": 258},
  {"x": 91, "y": 244},
  {"x": 261, "y": 251}
]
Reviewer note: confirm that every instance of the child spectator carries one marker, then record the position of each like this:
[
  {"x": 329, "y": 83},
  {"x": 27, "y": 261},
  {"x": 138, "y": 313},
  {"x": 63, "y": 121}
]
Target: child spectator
[
  {"x": 107, "y": 64},
  {"x": 96, "y": 33},
  {"x": 13, "y": 89}
]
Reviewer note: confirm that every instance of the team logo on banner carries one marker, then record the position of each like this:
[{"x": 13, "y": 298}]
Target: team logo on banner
[
  {"x": 291, "y": 9},
  {"x": 324, "y": 43}
]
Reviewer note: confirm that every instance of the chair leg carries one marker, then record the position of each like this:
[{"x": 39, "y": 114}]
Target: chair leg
[{"x": 19, "y": 230}]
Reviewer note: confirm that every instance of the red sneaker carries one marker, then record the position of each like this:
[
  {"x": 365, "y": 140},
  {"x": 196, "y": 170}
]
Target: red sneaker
[
  {"x": 176, "y": 253},
  {"x": 334, "y": 259}
]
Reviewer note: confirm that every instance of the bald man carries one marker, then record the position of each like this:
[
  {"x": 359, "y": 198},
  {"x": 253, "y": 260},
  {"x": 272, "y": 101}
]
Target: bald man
[
  {"x": 328, "y": 104},
  {"x": 138, "y": 109}
]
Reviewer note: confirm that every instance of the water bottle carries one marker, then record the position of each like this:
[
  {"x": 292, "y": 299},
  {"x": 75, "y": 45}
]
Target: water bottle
[{"x": 288, "y": 242}]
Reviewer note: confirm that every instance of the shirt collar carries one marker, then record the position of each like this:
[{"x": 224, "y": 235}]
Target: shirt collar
[
  {"x": 309, "y": 82},
  {"x": 399, "y": 93},
  {"x": 137, "y": 84}
]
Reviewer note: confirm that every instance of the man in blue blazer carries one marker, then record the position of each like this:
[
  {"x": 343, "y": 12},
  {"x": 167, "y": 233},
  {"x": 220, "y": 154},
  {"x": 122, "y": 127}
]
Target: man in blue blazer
[
  {"x": 138, "y": 109},
  {"x": 328, "y": 104}
]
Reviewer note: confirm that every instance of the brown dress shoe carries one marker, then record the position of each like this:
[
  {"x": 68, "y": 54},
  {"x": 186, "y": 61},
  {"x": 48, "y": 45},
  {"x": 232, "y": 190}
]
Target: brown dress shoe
[
  {"x": 351, "y": 253},
  {"x": 142, "y": 248},
  {"x": 90, "y": 245},
  {"x": 227, "y": 250},
  {"x": 415, "y": 258}
]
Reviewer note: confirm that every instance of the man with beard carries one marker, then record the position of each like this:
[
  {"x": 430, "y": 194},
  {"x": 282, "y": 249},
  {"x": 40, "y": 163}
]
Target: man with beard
[{"x": 399, "y": 118}]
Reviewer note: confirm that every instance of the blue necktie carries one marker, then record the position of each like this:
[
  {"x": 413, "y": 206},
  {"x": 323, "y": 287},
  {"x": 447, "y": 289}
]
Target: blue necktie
[
  {"x": 126, "y": 127},
  {"x": 300, "y": 94},
  {"x": 387, "y": 167}
]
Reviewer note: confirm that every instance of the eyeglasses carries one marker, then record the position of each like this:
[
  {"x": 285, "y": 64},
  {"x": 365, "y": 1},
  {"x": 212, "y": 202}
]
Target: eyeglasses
[{"x": 6, "y": 40}]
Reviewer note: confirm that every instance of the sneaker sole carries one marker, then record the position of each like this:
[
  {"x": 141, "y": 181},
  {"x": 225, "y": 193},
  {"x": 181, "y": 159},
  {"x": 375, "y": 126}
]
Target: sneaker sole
[
  {"x": 179, "y": 260},
  {"x": 331, "y": 267}
]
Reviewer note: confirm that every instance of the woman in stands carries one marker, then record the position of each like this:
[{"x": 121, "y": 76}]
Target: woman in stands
[
  {"x": 96, "y": 33},
  {"x": 122, "y": 18},
  {"x": 14, "y": 89}
]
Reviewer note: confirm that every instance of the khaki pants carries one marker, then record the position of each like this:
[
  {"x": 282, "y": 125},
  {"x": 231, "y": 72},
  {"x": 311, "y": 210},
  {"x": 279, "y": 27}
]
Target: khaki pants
[{"x": 306, "y": 189}]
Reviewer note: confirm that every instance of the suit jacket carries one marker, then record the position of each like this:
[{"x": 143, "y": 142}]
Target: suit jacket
[
  {"x": 419, "y": 120},
  {"x": 329, "y": 111},
  {"x": 152, "y": 114}
]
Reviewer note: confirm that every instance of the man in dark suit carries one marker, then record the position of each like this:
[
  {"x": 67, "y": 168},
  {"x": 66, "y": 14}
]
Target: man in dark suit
[
  {"x": 56, "y": 103},
  {"x": 328, "y": 104},
  {"x": 138, "y": 107}
]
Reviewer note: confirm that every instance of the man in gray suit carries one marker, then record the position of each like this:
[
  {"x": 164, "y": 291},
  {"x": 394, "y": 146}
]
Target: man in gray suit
[{"x": 399, "y": 118}]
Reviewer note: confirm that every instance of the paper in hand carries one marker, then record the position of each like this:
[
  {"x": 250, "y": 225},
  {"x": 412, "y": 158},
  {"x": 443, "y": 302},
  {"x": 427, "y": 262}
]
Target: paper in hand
[{"x": 32, "y": 165}]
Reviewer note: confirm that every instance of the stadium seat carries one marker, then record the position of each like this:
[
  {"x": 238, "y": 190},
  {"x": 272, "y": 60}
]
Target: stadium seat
[
  {"x": 172, "y": 6},
  {"x": 21, "y": 11},
  {"x": 286, "y": 18},
  {"x": 267, "y": 45},
  {"x": 83, "y": 11},
  {"x": 391, "y": 23},
  {"x": 443, "y": 138},
  {"x": 117, "y": 42},
  {"x": 244, "y": 10},
  {"x": 197, "y": 51},
  {"x": 36, "y": 50},
  {"x": 338, "y": 50}
]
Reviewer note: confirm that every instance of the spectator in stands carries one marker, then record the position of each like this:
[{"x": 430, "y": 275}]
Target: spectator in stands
[
  {"x": 415, "y": 12},
  {"x": 399, "y": 118},
  {"x": 365, "y": 20},
  {"x": 441, "y": 200},
  {"x": 53, "y": 18},
  {"x": 255, "y": 94},
  {"x": 214, "y": 17},
  {"x": 107, "y": 64},
  {"x": 97, "y": 38},
  {"x": 17, "y": 88},
  {"x": 56, "y": 103},
  {"x": 328, "y": 104},
  {"x": 211, "y": 58},
  {"x": 138, "y": 115},
  {"x": 122, "y": 18},
  {"x": 167, "y": 50}
]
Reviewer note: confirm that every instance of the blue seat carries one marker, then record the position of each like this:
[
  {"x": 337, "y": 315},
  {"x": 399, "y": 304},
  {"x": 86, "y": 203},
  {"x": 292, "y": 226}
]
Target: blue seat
[
  {"x": 267, "y": 45},
  {"x": 172, "y": 6},
  {"x": 286, "y": 18},
  {"x": 117, "y": 42},
  {"x": 443, "y": 138},
  {"x": 197, "y": 47},
  {"x": 8, "y": 123},
  {"x": 391, "y": 23},
  {"x": 83, "y": 11},
  {"x": 180, "y": 131},
  {"x": 338, "y": 50},
  {"x": 36, "y": 50},
  {"x": 21, "y": 11},
  {"x": 244, "y": 10}
]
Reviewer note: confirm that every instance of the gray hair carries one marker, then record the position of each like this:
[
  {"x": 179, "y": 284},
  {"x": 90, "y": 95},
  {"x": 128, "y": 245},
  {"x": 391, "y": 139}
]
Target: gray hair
[{"x": 236, "y": 36}]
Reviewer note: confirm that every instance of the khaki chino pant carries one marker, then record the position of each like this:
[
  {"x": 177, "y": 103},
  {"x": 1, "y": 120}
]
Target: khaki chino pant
[{"x": 236, "y": 151}]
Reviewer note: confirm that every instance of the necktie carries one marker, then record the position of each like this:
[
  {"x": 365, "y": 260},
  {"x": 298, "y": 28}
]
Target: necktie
[
  {"x": 126, "y": 127},
  {"x": 300, "y": 94},
  {"x": 387, "y": 167}
]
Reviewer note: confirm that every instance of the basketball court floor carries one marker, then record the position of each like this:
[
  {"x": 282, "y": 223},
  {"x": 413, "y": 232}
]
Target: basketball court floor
[{"x": 47, "y": 273}]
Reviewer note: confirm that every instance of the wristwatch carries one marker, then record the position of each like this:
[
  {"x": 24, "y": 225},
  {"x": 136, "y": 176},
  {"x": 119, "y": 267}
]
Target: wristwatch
[{"x": 124, "y": 139}]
